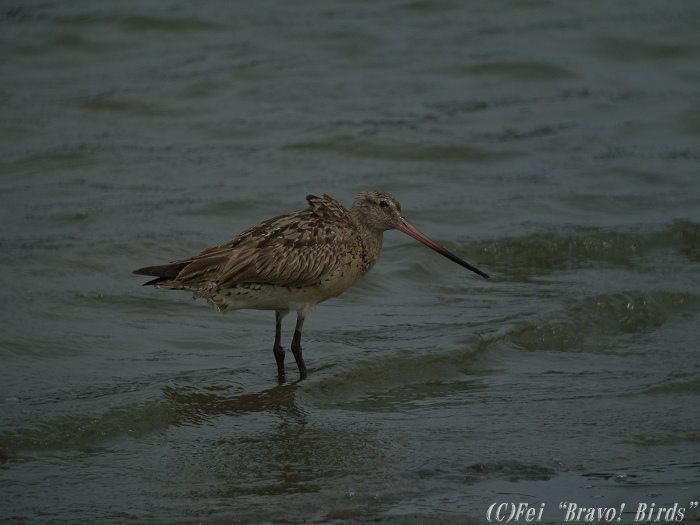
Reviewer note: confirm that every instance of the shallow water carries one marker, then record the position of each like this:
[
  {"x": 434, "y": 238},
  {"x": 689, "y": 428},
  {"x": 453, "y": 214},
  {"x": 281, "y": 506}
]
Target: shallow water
[{"x": 554, "y": 146}]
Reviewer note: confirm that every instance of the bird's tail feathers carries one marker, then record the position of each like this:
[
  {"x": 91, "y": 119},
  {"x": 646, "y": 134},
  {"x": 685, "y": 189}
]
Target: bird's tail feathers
[{"x": 162, "y": 272}]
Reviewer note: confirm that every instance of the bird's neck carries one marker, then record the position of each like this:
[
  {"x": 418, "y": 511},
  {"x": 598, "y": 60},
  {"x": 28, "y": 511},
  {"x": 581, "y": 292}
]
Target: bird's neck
[
  {"x": 373, "y": 243},
  {"x": 371, "y": 240}
]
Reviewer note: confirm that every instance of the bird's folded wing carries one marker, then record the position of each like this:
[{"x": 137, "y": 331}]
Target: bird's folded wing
[{"x": 297, "y": 249}]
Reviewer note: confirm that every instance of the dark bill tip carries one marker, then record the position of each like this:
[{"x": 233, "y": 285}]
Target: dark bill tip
[{"x": 406, "y": 227}]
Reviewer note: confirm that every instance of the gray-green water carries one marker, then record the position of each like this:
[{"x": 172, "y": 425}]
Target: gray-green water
[{"x": 554, "y": 145}]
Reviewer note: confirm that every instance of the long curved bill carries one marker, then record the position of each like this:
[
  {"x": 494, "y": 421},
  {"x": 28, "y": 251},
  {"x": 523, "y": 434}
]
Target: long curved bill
[{"x": 407, "y": 228}]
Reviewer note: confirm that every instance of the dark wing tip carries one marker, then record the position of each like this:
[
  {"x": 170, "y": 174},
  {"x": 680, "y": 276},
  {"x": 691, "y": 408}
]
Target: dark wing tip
[
  {"x": 163, "y": 272},
  {"x": 155, "y": 281}
]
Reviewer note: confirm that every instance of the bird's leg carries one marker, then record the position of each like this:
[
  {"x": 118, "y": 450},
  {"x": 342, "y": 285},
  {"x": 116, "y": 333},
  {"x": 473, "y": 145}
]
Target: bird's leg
[
  {"x": 277, "y": 349},
  {"x": 296, "y": 346}
]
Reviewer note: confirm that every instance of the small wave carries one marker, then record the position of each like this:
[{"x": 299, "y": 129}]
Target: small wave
[
  {"x": 521, "y": 70},
  {"x": 403, "y": 152},
  {"x": 552, "y": 252},
  {"x": 197, "y": 404},
  {"x": 513, "y": 470},
  {"x": 381, "y": 384},
  {"x": 599, "y": 316},
  {"x": 130, "y": 105},
  {"x": 78, "y": 431},
  {"x": 175, "y": 405},
  {"x": 691, "y": 386}
]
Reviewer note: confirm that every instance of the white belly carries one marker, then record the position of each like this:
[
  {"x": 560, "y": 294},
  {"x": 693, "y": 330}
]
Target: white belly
[{"x": 258, "y": 296}]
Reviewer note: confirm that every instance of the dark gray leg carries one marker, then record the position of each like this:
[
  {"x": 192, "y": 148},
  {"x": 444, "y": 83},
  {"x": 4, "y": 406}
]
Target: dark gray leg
[
  {"x": 277, "y": 349},
  {"x": 296, "y": 346}
]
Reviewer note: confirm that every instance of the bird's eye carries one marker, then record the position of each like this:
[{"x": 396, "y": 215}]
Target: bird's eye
[{"x": 383, "y": 204}]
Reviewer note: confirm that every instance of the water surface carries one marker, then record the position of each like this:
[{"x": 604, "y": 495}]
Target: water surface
[{"x": 554, "y": 146}]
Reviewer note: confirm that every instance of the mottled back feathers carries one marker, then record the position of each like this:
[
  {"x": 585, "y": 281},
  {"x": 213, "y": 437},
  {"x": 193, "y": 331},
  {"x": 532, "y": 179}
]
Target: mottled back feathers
[{"x": 297, "y": 249}]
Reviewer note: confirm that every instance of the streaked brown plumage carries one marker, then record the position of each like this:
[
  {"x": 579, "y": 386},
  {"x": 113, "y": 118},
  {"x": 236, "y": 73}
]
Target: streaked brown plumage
[{"x": 293, "y": 261}]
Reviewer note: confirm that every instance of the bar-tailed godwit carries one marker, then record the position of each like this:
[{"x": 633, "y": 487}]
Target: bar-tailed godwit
[{"x": 294, "y": 261}]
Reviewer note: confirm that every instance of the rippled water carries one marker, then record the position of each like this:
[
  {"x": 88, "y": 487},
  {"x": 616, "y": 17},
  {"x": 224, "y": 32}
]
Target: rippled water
[{"x": 553, "y": 145}]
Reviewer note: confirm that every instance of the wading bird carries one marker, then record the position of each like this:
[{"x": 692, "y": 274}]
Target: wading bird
[{"x": 294, "y": 261}]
